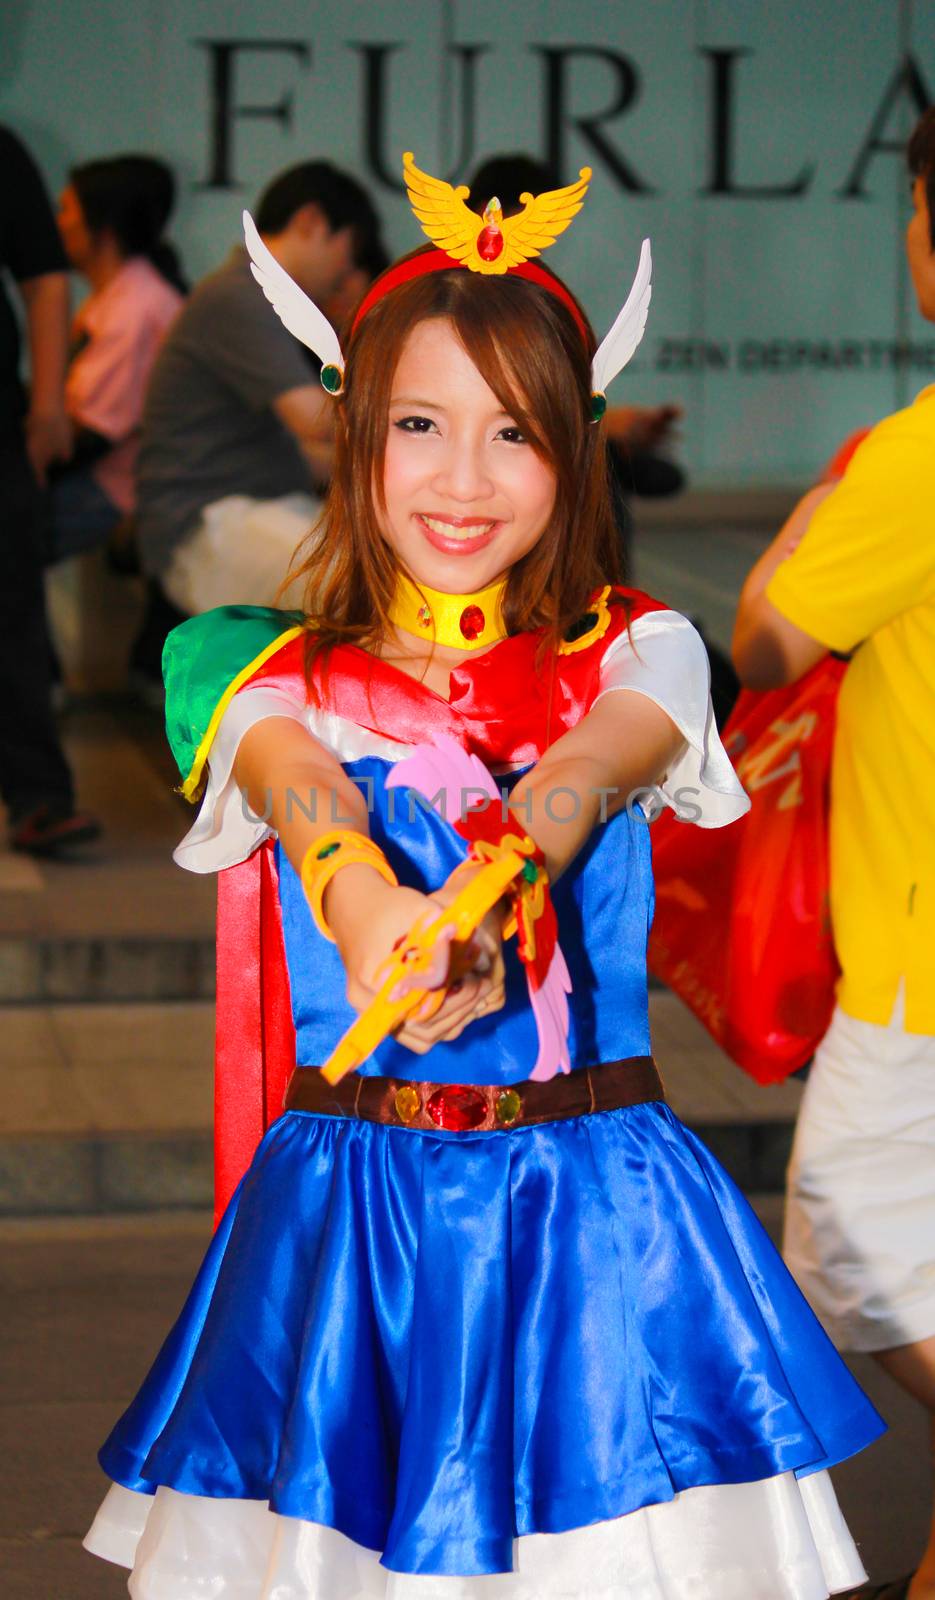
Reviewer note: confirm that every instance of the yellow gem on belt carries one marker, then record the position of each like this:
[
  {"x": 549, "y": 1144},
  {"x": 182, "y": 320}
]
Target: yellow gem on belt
[
  {"x": 407, "y": 1104},
  {"x": 508, "y": 1107}
]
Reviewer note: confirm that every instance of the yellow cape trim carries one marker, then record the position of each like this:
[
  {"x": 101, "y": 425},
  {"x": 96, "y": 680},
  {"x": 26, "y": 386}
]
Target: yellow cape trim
[
  {"x": 602, "y": 613},
  {"x": 191, "y": 786}
]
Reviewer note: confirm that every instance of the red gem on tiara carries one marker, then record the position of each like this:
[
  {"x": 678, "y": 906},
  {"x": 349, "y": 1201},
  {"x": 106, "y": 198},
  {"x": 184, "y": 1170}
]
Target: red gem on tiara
[
  {"x": 472, "y": 622},
  {"x": 489, "y": 243}
]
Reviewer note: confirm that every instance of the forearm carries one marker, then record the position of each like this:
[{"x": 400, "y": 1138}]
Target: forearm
[
  {"x": 766, "y": 648},
  {"x": 46, "y": 302},
  {"x": 622, "y": 747}
]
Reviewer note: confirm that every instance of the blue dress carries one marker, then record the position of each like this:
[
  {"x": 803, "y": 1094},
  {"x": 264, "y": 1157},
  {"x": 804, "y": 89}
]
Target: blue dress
[{"x": 437, "y": 1343}]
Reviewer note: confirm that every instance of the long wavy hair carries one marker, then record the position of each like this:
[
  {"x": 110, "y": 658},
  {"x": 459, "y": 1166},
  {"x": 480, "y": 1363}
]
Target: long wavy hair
[{"x": 528, "y": 349}]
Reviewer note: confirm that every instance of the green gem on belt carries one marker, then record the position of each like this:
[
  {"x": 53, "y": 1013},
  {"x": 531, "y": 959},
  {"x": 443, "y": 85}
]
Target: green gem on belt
[{"x": 508, "y": 1107}]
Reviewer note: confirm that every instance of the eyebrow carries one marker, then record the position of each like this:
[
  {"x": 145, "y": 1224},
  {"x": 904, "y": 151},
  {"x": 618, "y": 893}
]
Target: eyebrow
[{"x": 429, "y": 405}]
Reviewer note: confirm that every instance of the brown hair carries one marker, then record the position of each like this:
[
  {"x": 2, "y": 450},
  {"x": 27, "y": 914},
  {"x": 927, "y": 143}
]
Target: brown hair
[
  {"x": 920, "y": 156},
  {"x": 527, "y": 348}
]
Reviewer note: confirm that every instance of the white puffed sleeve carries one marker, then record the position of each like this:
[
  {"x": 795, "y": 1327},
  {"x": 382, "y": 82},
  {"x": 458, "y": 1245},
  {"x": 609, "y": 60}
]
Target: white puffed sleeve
[
  {"x": 225, "y": 830},
  {"x": 664, "y": 658}
]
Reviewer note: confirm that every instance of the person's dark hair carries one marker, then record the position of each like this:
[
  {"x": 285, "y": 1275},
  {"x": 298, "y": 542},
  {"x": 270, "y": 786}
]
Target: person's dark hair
[
  {"x": 344, "y": 203},
  {"x": 131, "y": 196},
  {"x": 509, "y": 176},
  {"x": 920, "y": 155},
  {"x": 372, "y": 257},
  {"x": 528, "y": 349}
]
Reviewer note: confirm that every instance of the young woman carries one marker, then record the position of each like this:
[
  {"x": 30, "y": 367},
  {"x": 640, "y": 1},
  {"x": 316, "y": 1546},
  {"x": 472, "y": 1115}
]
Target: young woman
[
  {"x": 112, "y": 215},
  {"x": 467, "y": 1329}
]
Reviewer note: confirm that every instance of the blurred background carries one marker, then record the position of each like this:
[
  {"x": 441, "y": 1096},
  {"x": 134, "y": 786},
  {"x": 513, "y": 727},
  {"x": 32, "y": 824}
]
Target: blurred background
[{"x": 761, "y": 148}]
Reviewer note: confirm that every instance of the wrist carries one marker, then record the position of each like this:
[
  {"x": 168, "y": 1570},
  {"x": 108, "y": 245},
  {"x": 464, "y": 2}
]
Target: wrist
[
  {"x": 353, "y": 899},
  {"x": 332, "y": 855}
]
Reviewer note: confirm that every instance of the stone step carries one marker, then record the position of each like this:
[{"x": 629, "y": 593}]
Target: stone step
[
  {"x": 108, "y": 1107},
  {"x": 50, "y": 968}
]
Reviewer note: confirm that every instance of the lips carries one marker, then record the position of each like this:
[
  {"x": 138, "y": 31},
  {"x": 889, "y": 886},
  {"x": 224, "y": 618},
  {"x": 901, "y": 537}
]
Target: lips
[{"x": 457, "y": 535}]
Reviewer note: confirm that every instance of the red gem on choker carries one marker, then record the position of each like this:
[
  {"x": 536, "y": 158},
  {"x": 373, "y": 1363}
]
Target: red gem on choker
[{"x": 472, "y": 622}]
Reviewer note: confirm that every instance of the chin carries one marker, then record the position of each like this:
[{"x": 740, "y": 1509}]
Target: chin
[{"x": 456, "y": 574}]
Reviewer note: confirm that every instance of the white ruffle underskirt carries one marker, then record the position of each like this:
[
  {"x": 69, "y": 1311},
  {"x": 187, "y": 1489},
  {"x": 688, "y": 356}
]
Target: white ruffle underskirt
[{"x": 779, "y": 1539}]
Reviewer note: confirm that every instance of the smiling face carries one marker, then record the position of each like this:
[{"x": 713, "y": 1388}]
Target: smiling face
[
  {"x": 466, "y": 496},
  {"x": 921, "y": 251}
]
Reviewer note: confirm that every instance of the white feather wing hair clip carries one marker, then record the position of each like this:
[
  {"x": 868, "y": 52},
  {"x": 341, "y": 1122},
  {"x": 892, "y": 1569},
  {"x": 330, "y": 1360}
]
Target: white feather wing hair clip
[
  {"x": 294, "y": 308},
  {"x": 616, "y": 349}
]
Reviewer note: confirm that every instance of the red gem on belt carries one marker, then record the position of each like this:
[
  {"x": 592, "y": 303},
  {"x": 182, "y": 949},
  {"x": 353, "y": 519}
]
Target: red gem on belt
[{"x": 457, "y": 1108}]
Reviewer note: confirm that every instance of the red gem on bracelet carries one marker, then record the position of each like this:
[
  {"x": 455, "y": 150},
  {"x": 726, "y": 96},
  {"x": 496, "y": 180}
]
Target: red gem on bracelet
[
  {"x": 472, "y": 622},
  {"x": 457, "y": 1108}
]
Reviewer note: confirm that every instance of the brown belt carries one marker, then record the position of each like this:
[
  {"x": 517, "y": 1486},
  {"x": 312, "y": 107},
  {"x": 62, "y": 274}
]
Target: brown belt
[{"x": 459, "y": 1108}]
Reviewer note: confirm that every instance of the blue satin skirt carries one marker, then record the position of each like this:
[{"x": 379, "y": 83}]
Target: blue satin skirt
[{"x": 435, "y": 1342}]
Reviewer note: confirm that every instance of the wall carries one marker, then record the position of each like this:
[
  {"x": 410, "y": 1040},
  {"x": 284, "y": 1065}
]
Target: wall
[{"x": 758, "y": 144}]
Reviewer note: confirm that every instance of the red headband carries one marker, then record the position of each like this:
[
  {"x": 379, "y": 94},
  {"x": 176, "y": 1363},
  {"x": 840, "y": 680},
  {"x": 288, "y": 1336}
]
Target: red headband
[{"x": 437, "y": 261}]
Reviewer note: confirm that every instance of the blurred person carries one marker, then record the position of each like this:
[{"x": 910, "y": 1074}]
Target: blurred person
[
  {"x": 35, "y": 781},
  {"x": 111, "y": 217},
  {"x": 237, "y": 431},
  {"x": 853, "y": 570}
]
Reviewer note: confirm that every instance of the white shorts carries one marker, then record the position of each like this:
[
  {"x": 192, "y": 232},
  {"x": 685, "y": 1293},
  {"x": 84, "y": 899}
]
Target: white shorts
[
  {"x": 240, "y": 552},
  {"x": 860, "y": 1210}
]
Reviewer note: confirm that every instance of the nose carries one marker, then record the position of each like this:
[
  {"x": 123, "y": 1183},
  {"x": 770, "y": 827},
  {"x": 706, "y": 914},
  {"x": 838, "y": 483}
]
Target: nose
[{"x": 464, "y": 472}]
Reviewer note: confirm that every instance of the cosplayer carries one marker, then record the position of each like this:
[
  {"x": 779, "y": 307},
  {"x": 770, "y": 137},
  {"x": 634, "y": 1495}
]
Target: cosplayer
[{"x": 480, "y": 1318}]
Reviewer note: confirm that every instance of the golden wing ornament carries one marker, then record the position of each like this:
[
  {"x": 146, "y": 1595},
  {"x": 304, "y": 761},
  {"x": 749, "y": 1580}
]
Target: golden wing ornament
[
  {"x": 541, "y": 220},
  {"x": 443, "y": 216},
  {"x": 490, "y": 243}
]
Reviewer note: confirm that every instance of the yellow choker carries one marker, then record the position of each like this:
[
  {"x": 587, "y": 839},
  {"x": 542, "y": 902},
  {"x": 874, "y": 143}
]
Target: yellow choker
[{"x": 461, "y": 621}]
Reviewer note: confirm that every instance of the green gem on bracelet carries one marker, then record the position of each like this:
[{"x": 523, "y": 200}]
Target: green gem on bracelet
[{"x": 329, "y": 850}]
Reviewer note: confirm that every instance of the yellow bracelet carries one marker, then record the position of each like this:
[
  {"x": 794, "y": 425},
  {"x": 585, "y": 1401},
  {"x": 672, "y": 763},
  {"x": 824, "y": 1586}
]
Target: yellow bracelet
[{"x": 341, "y": 848}]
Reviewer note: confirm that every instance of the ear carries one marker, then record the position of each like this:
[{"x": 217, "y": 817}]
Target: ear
[{"x": 310, "y": 221}]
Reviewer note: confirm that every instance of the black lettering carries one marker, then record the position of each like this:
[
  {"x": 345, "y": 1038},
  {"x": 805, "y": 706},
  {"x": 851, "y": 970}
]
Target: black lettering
[
  {"x": 383, "y": 163},
  {"x": 723, "y": 137},
  {"x": 907, "y": 81},
  {"x": 222, "y": 65},
  {"x": 558, "y": 116}
]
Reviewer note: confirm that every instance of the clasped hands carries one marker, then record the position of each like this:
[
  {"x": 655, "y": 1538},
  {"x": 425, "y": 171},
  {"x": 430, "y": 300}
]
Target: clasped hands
[{"x": 369, "y": 918}]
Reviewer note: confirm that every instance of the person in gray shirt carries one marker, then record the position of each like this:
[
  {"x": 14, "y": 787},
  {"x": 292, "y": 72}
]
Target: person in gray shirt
[{"x": 237, "y": 431}]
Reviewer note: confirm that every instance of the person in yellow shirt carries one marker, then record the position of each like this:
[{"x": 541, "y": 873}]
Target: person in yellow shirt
[{"x": 853, "y": 571}]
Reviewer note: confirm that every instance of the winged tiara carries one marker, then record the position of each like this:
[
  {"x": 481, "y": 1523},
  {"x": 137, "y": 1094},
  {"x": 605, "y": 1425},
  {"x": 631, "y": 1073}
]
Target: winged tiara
[{"x": 487, "y": 243}]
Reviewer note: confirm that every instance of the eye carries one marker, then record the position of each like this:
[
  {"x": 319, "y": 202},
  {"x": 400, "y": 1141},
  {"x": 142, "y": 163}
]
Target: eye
[
  {"x": 414, "y": 424},
  {"x": 512, "y": 435}
]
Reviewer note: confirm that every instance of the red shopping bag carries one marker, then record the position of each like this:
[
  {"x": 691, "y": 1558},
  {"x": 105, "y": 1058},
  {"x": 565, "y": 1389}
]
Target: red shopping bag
[{"x": 742, "y": 930}]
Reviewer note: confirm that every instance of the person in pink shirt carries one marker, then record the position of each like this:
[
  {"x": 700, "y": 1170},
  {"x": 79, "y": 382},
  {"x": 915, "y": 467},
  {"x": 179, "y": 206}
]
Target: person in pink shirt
[{"x": 111, "y": 218}]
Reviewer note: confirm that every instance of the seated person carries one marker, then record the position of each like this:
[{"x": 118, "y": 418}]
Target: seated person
[
  {"x": 111, "y": 218},
  {"x": 237, "y": 431}
]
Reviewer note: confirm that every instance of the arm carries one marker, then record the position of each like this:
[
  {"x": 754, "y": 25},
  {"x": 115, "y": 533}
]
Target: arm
[
  {"x": 767, "y": 648},
  {"x": 48, "y": 431},
  {"x": 643, "y": 427},
  {"x": 624, "y": 744},
  {"x": 279, "y": 764},
  {"x": 309, "y": 416}
]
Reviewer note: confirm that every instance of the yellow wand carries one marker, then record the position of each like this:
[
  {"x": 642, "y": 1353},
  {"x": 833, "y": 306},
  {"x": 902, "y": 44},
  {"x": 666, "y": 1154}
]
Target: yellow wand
[{"x": 415, "y": 958}]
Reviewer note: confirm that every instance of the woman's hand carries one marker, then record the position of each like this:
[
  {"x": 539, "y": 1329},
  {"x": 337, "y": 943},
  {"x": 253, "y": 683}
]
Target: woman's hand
[{"x": 369, "y": 918}]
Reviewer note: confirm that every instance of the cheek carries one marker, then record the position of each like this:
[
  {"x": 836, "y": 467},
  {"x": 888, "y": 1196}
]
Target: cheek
[
  {"x": 401, "y": 472},
  {"x": 535, "y": 487}
]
